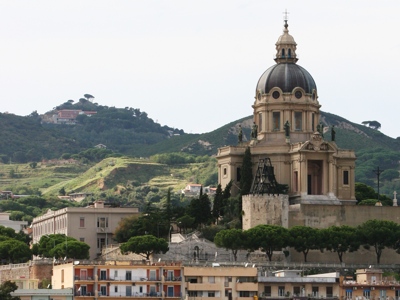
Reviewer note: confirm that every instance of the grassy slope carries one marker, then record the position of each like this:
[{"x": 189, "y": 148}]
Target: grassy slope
[{"x": 104, "y": 175}]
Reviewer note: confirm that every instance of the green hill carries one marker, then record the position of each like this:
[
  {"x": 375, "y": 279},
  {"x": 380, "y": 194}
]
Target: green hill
[{"x": 130, "y": 132}]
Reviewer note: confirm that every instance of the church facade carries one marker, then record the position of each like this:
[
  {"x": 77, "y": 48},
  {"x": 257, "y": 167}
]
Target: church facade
[{"x": 287, "y": 130}]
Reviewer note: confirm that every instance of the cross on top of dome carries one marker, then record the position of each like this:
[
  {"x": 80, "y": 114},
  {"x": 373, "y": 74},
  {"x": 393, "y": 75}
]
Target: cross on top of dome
[{"x": 286, "y": 46}]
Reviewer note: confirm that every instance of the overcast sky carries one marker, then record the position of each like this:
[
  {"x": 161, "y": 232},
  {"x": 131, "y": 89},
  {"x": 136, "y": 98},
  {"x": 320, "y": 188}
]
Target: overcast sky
[{"x": 194, "y": 65}]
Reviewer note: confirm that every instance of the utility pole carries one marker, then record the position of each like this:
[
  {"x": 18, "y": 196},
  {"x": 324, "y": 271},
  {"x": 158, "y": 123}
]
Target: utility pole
[{"x": 378, "y": 173}]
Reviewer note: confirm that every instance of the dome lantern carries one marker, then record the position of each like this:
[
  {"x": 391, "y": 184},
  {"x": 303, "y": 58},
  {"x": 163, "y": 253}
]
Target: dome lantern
[{"x": 286, "y": 47}]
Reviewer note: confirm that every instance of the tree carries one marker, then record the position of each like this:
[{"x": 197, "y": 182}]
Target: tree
[
  {"x": 380, "y": 234},
  {"x": 168, "y": 207},
  {"x": 372, "y": 124},
  {"x": 62, "y": 191},
  {"x": 88, "y": 96},
  {"x": 390, "y": 174},
  {"x": 49, "y": 243},
  {"x": 246, "y": 173},
  {"x": 217, "y": 210},
  {"x": 145, "y": 245},
  {"x": 340, "y": 239},
  {"x": 71, "y": 249},
  {"x": 15, "y": 251},
  {"x": 127, "y": 228},
  {"x": 303, "y": 239},
  {"x": 200, "y": 210},
  {"x": 185, "y": 222},
  {"x": 231, "y": 239},
  {"x": 6, "y": 288},
  {"x": 364, "y": 192},
  {"x": 268, "y": 238}
]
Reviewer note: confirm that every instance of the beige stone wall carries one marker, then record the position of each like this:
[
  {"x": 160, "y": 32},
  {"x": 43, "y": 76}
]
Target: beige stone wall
[
  {"x": 274, "y": 210},
  {"x": 323, "y": 216},
  {"x": 12, "y": 272},
  {"x": 265, "y": 209}
]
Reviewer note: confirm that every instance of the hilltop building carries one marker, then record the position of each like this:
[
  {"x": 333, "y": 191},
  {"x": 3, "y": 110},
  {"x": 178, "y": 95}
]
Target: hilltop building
[
  {"x": 94, "y": 225},
  {"x": 287, "y": 129},
  {"x": 291, "y": 146}
]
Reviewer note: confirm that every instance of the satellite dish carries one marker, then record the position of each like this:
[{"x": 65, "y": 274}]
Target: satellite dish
[
  {"x": 76, "y": 262},
  {"x": 48, "y": 286},
  {"x": 246, "y": 265},
  {"x": 65, "y": 258},
  {"x": 159, "y": 259}
]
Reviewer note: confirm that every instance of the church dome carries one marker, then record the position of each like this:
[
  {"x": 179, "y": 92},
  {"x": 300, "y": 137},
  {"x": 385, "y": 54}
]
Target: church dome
[{"x": 286, "y": 76}]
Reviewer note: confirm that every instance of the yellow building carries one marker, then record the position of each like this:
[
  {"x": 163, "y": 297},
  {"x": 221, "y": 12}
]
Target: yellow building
[{"x": 216, "y": 282}]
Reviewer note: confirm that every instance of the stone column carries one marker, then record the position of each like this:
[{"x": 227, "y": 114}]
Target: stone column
[
  {"x": 394, "y": 198},
  {"x": 303, "y": 176}
]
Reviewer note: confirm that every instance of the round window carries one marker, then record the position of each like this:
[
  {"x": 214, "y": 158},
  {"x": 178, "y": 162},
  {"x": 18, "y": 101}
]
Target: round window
[
  {"x": 276, "y": 94},
  {"x": 298, "y": 94}
]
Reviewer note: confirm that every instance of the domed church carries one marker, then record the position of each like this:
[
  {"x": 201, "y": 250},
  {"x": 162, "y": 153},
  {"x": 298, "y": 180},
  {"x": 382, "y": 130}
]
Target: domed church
[{"x": 288, "y": 133}]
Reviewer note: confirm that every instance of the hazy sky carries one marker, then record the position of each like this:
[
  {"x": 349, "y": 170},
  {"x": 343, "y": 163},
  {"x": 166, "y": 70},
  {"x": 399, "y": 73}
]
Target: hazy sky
[{"x": 194, "y": 65}]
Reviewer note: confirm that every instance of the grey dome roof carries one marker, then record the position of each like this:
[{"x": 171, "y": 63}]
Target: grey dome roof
[{"x": 286, "y": 76}]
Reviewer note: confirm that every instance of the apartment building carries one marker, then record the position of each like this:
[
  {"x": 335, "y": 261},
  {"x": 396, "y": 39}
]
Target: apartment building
[
  {"x": 93, "y": 225},
  {"x": 216, "y": 282},
  {"x": 291, "y": 284},
  {"x": 369, "y": 284},
  {"x": 115, "y": 279}
]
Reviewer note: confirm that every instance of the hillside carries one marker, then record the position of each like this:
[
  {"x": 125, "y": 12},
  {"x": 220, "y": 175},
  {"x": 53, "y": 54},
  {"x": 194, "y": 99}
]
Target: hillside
[
  {"x": 112, "y": 176},
  {"x": 130, "y": 132}
]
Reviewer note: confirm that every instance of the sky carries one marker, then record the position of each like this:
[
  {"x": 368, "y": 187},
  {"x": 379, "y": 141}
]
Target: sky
[{"x": 194, "y": 65}]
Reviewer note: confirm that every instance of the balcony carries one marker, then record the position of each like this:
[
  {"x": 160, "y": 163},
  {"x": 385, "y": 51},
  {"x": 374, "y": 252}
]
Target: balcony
[
  {"x": 83, "y": 278},
  {"x": 247, "y": 286},
  {"x": 172, "y": 278},
  {"x": 104, "y": 230},
  {"x": 203, "y": 286}
]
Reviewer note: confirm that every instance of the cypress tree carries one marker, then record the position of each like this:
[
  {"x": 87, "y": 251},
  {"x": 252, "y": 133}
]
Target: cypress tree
[
  {"x": 246, "y": 178},
  {"x": 218, "y": 204}
]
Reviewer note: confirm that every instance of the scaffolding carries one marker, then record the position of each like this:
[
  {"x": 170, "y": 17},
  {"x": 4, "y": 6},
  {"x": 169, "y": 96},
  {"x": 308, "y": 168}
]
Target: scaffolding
[{"x": 264, "y": 181}]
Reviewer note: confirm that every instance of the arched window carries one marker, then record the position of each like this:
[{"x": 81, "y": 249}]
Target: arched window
[
  {"x": 289, "y": 53},
  {"x": 283, "y": 52}
]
